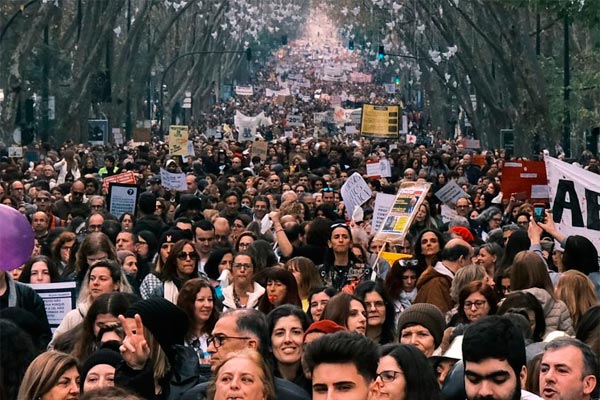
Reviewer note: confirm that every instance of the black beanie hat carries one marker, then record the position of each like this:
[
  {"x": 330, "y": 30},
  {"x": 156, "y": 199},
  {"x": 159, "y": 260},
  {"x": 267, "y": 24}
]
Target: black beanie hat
[
  {"x": 167, "y": 322},
  {"x": 147, "y": 203},
  {"x": 174, "y": 235},
  {"x": 102, "y": 356},
  {"x": 426, "y": 315}
]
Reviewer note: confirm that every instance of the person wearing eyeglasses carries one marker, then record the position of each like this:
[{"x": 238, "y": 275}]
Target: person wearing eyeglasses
[
  {"x": 243, "y": 291},
  {"x": 404, "y": 373},
  {"x": 237, "y": 330},
  {"x": 475, "y": 301},
  {"x": 181, "y": 265}
]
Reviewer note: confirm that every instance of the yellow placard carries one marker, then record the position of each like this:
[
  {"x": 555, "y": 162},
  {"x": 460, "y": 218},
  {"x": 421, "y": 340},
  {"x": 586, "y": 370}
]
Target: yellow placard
[
  {"x": 380, "y": 121},
  {"x": 178, "y": 140}
]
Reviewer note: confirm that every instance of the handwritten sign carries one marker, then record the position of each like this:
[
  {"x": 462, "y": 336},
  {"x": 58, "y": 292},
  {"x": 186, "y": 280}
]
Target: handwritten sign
[
  {"x": 178, "y": 140},
  {"x": 173, "y": 181},
  {"x": 259, "y": 149},
  {"x": 355, "y": 192}
]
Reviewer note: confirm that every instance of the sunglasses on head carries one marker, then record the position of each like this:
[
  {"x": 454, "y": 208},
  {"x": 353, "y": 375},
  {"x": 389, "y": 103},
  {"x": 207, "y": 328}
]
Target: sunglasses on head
[{"x": 327, "y": 189}]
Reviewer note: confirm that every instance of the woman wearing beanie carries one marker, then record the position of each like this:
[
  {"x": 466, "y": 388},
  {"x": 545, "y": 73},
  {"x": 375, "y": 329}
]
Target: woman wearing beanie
[
  {"x": 98, "y": 370},
  {"x": 422, "y": 325},
  {"x": 181, "y": 266},
  {"x": 157, "y": 364}
]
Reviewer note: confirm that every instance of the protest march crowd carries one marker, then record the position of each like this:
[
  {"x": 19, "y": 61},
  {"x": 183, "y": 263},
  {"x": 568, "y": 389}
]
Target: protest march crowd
[{"x": 238, "y": 270}]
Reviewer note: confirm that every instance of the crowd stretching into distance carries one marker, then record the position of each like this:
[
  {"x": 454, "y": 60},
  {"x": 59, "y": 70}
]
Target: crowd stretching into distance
[{"x": 255, "y": 284}]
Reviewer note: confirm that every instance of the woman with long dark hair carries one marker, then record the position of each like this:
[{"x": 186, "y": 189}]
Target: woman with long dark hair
[
  {"x": 198, "y": 300},
  {"x": 180, "y": 266},
  {"x": 341, "y": 269},
  {"x": 281, "y": 288},
  {"x": 380, "y": 311},
  {"x": 287, "y": 324},
  {"x": 404, "y": 373}
]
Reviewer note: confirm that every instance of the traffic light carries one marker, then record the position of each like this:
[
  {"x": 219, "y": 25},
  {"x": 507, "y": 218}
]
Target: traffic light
[
  {"x": 397, "y": 80},
  {"x": 381, "y": 53},
  {"x": 249, "y": 54},
  {"x": 351, "y": 45}
]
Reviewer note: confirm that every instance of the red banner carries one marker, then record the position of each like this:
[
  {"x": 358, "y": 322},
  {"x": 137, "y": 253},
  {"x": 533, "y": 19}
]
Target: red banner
[
  {"x": 518, "y": 177},
  {"x": 125, "y": 177}
]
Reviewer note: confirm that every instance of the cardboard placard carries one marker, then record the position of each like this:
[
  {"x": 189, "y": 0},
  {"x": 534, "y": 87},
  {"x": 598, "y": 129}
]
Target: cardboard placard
[
  {"x": 260, "y": 148},
  {"x": 178, "y": 140}
]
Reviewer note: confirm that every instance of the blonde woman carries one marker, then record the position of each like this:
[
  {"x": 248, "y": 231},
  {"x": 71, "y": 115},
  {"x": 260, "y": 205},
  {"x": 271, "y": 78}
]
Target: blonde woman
[
  {"x": 52, "y": 375},
  {"x": 576, "y": 290}
]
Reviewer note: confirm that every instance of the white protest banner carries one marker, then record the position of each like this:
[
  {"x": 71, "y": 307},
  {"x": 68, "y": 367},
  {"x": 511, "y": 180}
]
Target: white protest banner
[
  {"x": 574, "y": 199},
  {"x": 397, "y": 223},
  {"x": 178, "y": 139},
  {"x": 59, "y": 298},
  {"x": 450, "y": 193},
  {"x": 173, "y": 181},
  {"x": 275, "y": 93},
  {"x": 122, "y": 198},
  {"x": 246, "y": 126},
  {"x": 294, "y": 120},
  {"x": 355, "y": 192},
  {"x": 390, "y": 88},
  {"x": 244, "y": 90},
  {"x": 359, "y": 77},
  {"x": 383, "y": 204}
]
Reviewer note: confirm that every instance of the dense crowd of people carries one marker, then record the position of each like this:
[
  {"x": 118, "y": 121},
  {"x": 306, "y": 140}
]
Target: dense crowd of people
[{"x": 255, "y": 283}]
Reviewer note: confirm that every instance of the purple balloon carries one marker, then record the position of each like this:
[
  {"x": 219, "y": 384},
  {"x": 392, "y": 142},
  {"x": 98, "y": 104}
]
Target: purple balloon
[{"x": 16, "y": 238}]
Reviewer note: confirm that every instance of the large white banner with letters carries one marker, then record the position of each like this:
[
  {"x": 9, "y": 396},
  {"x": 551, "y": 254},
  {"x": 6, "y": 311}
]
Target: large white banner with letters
[{"x": 574, "y": 199}]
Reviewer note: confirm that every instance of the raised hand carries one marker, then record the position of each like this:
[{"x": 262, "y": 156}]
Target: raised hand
[{"x": 135, "y": 349}]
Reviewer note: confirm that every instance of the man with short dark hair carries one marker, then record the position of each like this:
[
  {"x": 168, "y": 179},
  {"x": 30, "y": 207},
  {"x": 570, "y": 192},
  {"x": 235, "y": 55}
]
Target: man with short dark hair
[
  {"x": 494, "y": 360},
  {"x": 244, "y": 329},
  {"x": 434, "y": 284},
  {"x": 126, "y": 241},
  {"x": 204, "y": 238},
  {"x": 109, "y": 167},
  {"x": 568, "y": 370},
  {"x": 343, "y": 366}
]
